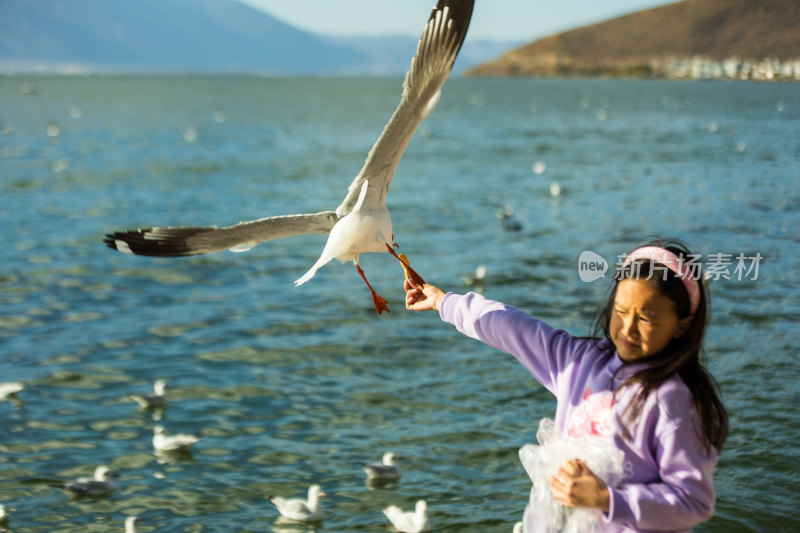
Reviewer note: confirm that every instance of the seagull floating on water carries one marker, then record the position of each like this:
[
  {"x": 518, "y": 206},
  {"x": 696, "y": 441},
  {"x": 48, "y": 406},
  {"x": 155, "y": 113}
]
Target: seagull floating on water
[
  {"x": 409, "y": 522},
  {"x": 477, "y": 278},
  {"x": 4, "y": 512},
  {"x": 386, "y": 469},
  {"x": 171, "y": 443},
  {"x": 301, "y": 510},
  {"x": 506, "y": 216},
  {"x": 157, "y": 399},
  {"x": 130, "y": 524},
  {"x": 10, "y": 389},
  {"x": 361, "y": 223},
  {"x": 99, "y": 485}
]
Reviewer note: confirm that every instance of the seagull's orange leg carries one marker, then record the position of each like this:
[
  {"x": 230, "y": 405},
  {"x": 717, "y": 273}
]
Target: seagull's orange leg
[
  {"x": 380, "y": 303},
  {"x": 410, "y": 272}
]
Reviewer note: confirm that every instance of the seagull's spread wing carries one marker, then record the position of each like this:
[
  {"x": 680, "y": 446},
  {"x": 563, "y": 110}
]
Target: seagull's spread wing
[
  {"x": 179, "y": 241},
  {"x": 430, "y": 66}
]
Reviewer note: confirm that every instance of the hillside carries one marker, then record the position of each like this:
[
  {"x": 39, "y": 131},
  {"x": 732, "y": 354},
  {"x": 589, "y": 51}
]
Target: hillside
[{"x": 683, "y": 38}]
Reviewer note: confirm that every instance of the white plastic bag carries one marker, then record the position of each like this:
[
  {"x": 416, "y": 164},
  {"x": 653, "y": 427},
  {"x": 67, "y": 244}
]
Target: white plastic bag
[{"x": 541, "y": 461}]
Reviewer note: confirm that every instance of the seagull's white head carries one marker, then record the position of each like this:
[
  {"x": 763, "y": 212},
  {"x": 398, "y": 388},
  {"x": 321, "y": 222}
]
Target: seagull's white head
[
  {"x": 315, "y": 492},
  {"x": 101, "y": 473},
  {"x": 389, "y": 458},
  {"x": 159, "y": 387}
]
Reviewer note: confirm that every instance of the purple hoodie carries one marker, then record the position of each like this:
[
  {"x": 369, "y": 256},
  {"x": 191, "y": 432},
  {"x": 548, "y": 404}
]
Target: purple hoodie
[{"x": 669, "y": 484}]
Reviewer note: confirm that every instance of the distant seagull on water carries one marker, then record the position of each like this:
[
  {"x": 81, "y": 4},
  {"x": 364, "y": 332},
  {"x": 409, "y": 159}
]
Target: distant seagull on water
[
  {"x": 171, "y": 443},
  {"x": 361, "y": 223},
  {"x": 477, "y": 278},
  {"x": 99, "y": 485},
  {"x": 300, "y": 510},
  {"x": 131, "y": 524},
  {"x": 385, "y": 470},
  {"x": 157, "y": 399},
  {"x": 4, "y": 512},
  {"x": 409, "y": 522},
  {"x": 10, "y": 389}
]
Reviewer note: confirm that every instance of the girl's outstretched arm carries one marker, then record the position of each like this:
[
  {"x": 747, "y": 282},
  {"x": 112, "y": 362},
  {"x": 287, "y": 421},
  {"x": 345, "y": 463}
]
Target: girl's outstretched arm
[{"x": 423, "y": 298}]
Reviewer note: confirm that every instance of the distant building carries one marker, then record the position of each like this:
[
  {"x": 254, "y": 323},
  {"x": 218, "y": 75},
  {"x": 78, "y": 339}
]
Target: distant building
[{"x": 732, "y": 68}]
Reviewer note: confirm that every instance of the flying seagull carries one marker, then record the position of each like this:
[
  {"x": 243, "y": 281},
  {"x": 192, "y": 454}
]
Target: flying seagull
[{"x": 361, "y": 223}]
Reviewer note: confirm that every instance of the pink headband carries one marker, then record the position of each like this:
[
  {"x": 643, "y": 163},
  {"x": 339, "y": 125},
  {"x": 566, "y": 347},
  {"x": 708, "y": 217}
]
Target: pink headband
[{"x": 676, "y": 265}]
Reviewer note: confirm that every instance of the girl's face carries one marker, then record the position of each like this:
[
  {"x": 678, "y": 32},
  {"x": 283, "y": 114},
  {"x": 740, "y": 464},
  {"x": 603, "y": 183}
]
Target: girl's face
[{"x": 643, "y": 320}]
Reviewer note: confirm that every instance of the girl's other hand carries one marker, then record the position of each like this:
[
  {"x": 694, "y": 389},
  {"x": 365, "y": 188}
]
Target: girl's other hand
[
  {"x": 422, "y": 298},
  {"x": 575, "y": 485}
]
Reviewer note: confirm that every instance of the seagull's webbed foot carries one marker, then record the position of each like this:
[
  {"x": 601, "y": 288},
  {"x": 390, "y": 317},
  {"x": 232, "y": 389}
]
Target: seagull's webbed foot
[
  {"x": 380, "y": 303},
  {"x": 411, "y": 274}
]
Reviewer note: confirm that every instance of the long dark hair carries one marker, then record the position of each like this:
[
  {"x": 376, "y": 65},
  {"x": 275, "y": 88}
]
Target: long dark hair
[{"x": 683, "y": 356}]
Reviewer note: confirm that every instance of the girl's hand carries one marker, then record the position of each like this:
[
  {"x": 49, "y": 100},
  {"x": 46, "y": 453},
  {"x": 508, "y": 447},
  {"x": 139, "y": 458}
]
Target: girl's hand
[
  {"x": 422, "y": 298},
  {"x": 575, "y": 485}
]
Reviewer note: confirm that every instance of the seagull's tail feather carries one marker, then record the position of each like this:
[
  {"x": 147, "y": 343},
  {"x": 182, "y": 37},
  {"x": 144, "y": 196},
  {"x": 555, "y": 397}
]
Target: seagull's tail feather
[
  {"x": 183, "y": 241},
  {"x": 312, "y": 271}
]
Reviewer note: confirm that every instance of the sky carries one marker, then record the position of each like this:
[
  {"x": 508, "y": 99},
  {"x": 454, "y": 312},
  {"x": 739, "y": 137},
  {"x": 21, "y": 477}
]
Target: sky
[{"x": 497, "y": 20}]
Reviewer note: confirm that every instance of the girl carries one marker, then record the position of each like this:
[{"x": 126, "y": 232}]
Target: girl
[{"x": 637, "y": 383}]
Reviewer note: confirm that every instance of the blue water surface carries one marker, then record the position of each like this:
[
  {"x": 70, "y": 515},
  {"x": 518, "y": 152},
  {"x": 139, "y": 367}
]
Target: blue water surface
[{"x": 290, "y": 386}]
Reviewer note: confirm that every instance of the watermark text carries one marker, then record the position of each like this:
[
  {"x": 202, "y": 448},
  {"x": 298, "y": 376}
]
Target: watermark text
[{"x": 713, "y": 267}]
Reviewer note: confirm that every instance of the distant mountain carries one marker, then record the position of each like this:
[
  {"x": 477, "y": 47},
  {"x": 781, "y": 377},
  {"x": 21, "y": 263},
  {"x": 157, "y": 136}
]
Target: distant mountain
[
  {"x": 696, "y": 38},
  {"x": 195, "y": 36},
  {"x": 160, "y": 35}
]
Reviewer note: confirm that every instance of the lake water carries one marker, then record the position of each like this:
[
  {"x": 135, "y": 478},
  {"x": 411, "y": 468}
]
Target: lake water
[{"x": 290, "y": 386}]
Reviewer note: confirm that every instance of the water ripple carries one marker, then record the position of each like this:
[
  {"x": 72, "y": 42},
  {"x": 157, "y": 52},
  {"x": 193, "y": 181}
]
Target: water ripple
[{"x": 289, "y": 386}]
